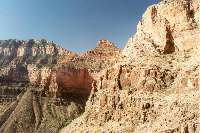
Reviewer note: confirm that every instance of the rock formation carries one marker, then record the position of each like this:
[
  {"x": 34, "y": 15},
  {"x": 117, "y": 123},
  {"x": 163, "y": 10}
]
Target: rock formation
[
  {"x": 31, "y": 52},
  {"x": 63, "y": 80},
  {"x": 44, "y": 64},
  {"x": 154, "y": 87},
  {"x": 104, "y": 55},
  {"x": 165, "y": 28},
  {"x": 151, "y": 86},
  {"x": 32, "y": 113}
]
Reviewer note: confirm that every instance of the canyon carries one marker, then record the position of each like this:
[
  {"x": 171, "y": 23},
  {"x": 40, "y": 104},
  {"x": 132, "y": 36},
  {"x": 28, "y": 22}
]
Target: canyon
[
  {"x": 150, "y": 86},
  {"x": 154, "y": 86},
  {"x": 53, "y": 83}
]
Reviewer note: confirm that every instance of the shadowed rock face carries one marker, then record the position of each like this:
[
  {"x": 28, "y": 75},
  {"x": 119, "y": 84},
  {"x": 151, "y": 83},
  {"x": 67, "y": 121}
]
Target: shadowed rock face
[
  {"x": 14, "y": 74},
  {"x": 62, "y": 80},
  {"x": 66, "y": 80},
  {"x": 72, "y": 80}
]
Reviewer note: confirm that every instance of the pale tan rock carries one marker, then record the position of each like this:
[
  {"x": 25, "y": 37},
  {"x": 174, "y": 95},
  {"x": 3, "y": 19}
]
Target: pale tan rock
[
  {"x": 155, "y": 87},
  {"x": 152, "y": 87},
  {"x": 21, "y": 51},
  {"x": 174, "y": 24},
  {"x": 34, "y": 74}
]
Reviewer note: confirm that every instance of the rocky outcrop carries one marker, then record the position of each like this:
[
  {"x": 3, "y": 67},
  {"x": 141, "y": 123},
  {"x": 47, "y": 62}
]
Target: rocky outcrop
[
  {"x": 104, "y": 55},
  {"x": 15, "y": 52},
  {"x": 152, "y": 86},
  {"x": 104, "y": 49},
  {"x": 165, "y": 28},
  {"x": 155, "y": 87},
  {"x": 39, "y": 76},
  {"x": 144, "y": 98},
  {"x": 61, "y": 81},
  {"x": 72, "y": 80}
]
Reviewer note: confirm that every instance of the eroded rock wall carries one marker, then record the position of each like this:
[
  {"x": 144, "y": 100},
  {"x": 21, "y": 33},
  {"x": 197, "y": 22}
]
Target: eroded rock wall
[
  {"x": 165, "y": 28},
  {"x": 155, "y": 88},
  {"x": 40, "y": 52}
]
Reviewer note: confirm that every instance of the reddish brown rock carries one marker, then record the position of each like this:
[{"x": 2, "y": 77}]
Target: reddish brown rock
[{"x": 72, "y": 80}]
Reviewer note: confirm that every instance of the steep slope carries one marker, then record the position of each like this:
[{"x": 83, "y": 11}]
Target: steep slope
[
  {"x": 23, "y": 116},
  {"x": 148, "y": 97},
  {"x": 56, "y": 92},
  {"x": 77, "y": 75},
  {"x": 33, "y": 113},
  {"x": 104, "y": 55},
  {"x": 45, "y": 64},
  {"x": 17, "y": 57},
  {"x": 165, "y": 28},
  {"x": 155, "y": 87}
]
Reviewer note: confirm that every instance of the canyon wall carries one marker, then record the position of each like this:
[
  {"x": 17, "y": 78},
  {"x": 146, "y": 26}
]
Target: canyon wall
[
  {"x": 40, "y": 52},
  {"x": 165, "y": 28},
  {"x": 59, "y": 71},
  {"x": 154, "y": 87}
]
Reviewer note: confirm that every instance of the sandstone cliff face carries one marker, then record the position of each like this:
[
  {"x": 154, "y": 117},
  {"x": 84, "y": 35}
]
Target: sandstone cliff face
[
  {"x": 151, "y": 87},
  {"x": 75, "y": 76},
  {"x": 61, "y": 81},
  {"x": 104, "y": 55},
  {"x": 144, "y": 98},
  {"x": 31, "y": 61},
  {"x": 39, "y": 76},
  {"x": 14, "y": 52},
  {"x": 165, "y": 28},
  {"x": 155, "y": 87},
  {"x": 72, "y": 80},
  {"x": 57, "y": 70}
]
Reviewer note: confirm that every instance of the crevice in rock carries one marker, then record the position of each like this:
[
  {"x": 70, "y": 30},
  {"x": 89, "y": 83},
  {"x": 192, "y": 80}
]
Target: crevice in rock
[
  {"x": 37, "y": 110},
  {"x": 119, "y": 78},
  {"x": 153, "y": 14},
  {"x": 190, "y": 13},
  {"x": 170, "y": 45}
]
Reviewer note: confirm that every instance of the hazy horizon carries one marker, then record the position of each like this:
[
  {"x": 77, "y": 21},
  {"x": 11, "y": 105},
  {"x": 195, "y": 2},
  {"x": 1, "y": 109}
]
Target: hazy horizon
[{"x": 73, "y": 24}]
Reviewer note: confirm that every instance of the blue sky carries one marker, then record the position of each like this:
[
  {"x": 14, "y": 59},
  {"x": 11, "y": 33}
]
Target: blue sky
[{"x": 74, "y": 24}]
